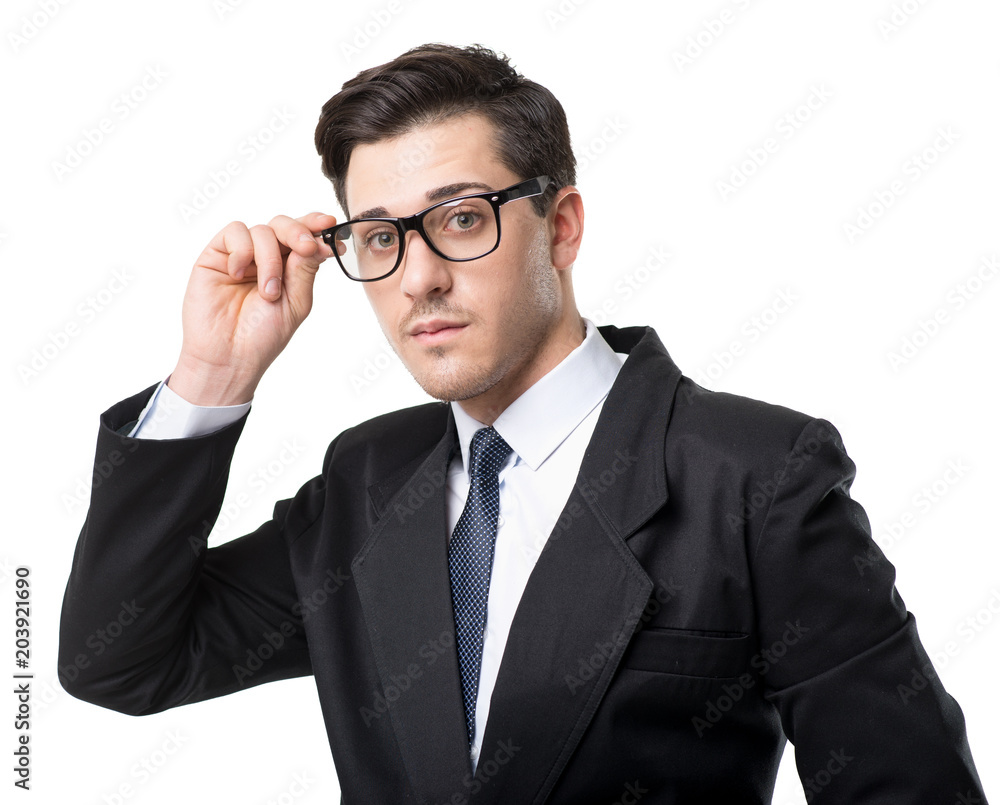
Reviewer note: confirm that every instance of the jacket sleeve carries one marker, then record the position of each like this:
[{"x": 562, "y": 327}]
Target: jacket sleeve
[
  {"x": 840, "y": 655},
  {"x": 151, "y": 618}
]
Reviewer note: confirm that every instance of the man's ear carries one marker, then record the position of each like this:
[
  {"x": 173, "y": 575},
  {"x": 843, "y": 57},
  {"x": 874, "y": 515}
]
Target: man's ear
[{"x": 566, "y": 226}]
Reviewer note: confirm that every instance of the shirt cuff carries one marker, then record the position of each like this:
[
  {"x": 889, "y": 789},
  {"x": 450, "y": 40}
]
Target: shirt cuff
[{"x": 167, "y": 415}]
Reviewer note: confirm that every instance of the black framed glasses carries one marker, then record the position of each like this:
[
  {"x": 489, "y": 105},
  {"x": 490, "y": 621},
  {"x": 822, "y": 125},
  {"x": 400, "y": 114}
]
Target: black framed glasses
[{"x": 458, "y": 229}]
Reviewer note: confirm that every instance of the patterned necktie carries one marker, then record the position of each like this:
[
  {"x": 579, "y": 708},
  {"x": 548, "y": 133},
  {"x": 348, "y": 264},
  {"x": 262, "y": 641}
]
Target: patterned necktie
[{"x": 470, "y": 562}]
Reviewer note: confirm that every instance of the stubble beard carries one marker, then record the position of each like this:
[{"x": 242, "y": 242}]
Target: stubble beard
[{"x": 451, "y": 380}]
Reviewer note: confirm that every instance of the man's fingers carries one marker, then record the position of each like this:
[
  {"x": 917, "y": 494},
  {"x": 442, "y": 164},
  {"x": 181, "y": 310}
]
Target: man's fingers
[
  {"x": 262, "y": 251},
  {"x": 317, "y": 221},
  {"x": 267, "y": 256},
  {"x": 301, "y": 235},
  {"x": 231, "y": 251}
]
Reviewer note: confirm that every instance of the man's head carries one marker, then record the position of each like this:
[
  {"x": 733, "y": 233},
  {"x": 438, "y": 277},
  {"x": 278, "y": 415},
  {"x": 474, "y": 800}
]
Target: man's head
[
  {"x": 440, "y": 119},
  {"x": 434, "y": 83}
]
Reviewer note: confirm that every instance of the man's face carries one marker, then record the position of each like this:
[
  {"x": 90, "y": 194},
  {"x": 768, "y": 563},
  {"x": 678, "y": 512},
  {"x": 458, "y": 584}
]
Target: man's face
[{"x": 461, "y": 329}]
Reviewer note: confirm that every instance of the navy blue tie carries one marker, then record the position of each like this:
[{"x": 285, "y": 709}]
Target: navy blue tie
[{"x": 470, "y": 562}]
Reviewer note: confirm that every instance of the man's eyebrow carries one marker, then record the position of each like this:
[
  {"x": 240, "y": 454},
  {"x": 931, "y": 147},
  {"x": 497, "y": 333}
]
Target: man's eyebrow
[
  {"x": 437, "y": 194},
  {"x": 457, "y": 189}
]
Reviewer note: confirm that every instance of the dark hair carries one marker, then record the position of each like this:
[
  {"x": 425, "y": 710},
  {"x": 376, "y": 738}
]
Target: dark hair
[{"x": 436, "y": 82}]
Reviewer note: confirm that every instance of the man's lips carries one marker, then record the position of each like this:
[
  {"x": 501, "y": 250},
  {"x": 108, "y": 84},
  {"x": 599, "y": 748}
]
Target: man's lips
[{"x": 435, "y": 331}]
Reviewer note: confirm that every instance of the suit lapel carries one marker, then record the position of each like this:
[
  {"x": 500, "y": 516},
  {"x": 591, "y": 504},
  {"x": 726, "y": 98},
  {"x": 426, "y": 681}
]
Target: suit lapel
[
  {"x": 402, "y": 580},
  {"x": 579, "y": 609},
  {"x": 586, "y": 593}
]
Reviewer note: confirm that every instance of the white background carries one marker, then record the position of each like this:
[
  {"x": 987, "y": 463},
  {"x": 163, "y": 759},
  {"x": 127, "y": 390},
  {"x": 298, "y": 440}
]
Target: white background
[{"x": 657, "y": 134}]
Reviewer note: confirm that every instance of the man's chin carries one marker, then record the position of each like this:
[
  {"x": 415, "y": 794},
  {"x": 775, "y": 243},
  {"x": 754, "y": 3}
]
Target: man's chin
[{"x": 454, "y": 387}]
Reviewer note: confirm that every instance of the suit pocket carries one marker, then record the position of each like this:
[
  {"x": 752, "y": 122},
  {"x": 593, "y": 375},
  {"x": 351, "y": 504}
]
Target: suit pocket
[{"x": 712, "y": 655}]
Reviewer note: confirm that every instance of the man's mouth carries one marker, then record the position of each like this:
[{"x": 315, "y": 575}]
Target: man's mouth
[{"x": 431, "y": 332}]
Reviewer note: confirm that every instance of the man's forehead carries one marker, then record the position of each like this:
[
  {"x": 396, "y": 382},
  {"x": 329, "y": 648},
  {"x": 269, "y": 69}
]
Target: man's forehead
[
  {"x": 424, "y": 165},
  {"x": 432, "y": 196}
]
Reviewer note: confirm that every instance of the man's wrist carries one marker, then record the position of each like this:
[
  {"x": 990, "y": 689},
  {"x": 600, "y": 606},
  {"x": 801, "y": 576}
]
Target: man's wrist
[
  {"x": 204, "y": 386},
  {"x": 170, "y": 416}
]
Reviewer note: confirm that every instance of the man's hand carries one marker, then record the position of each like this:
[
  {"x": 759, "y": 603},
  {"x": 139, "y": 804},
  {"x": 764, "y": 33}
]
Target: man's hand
[{"x": 248, "y": 292}]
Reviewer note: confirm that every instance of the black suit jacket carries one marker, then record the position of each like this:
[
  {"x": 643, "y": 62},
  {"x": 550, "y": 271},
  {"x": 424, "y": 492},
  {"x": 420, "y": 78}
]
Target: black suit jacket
[{"x": 709, "y": 590}]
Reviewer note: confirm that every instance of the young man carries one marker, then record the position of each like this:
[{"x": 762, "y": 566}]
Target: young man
[{"x": 583, "y": 578}]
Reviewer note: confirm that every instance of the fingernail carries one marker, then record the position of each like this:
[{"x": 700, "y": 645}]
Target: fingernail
[
  {"x": 271, "y": 289},
  {"x": 240, "y": 273},
  {"x": 305, "y": 236}
]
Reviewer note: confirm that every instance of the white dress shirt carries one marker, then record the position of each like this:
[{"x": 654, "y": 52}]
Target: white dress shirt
[{"x": 548, "y": 428}]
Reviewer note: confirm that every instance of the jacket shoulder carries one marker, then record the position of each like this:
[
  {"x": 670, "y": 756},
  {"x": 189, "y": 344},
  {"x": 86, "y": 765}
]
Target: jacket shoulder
[
  {"x": 720, "y": 424},
  {"x": 384, "y": 443}
]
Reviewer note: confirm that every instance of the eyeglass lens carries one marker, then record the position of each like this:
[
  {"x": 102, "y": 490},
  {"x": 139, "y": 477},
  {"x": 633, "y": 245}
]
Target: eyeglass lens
[{"x": 463, "y": 229}]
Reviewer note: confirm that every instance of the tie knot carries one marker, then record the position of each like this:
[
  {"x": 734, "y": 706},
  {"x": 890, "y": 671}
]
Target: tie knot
[{"x": 488, "y": 451}]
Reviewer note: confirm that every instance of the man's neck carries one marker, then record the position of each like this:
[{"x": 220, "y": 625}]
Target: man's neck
[{"x": 487, "y": 406}]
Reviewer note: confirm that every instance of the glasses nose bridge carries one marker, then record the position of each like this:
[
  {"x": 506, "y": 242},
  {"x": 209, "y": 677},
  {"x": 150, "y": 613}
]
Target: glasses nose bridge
[{"x": 415, "y": 223}]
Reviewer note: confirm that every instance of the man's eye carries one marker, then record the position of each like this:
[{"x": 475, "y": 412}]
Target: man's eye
[
  {"x": 381, "y": 240},
  {"x": 464, "y": 220}
]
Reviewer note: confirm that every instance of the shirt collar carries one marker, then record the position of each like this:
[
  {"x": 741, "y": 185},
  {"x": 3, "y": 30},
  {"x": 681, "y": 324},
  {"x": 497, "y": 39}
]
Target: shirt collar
[{"x": 538, "y": 421}]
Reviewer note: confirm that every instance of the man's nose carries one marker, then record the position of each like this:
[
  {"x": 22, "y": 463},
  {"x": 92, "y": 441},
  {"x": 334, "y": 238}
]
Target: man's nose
[{"x": 424, "y": 273}]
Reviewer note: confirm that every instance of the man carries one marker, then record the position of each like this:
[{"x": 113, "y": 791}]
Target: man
[{"x": 584, "y": 579}]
